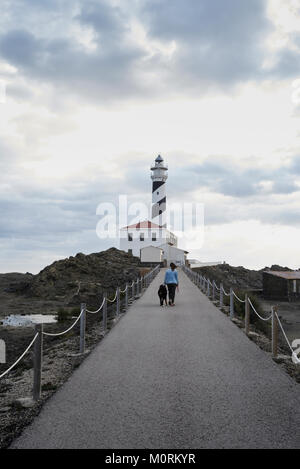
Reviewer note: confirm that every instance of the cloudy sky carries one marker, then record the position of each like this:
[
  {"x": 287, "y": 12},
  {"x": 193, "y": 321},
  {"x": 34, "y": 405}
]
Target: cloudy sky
[{"x": 95, "y": 89}]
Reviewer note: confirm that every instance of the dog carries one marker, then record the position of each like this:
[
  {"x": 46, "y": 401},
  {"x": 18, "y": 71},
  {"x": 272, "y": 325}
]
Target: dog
[{"x": 162, "y": 293}]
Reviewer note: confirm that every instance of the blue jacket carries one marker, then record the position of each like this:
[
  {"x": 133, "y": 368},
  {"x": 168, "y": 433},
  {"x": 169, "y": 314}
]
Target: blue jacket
[{"x": 171, "y": 276}]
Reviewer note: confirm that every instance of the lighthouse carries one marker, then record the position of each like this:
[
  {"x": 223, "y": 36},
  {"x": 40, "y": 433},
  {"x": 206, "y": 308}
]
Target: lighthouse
[
  {"x": 150, "y": 240},
  {"x": 159, "y": 198}
]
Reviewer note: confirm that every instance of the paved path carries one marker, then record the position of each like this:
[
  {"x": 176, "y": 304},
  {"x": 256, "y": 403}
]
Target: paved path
[{"x": 182, "y": 377}]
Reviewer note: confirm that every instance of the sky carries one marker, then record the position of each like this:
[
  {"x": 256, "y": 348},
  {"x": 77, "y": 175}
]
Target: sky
[{"x": 91, "y": 91}]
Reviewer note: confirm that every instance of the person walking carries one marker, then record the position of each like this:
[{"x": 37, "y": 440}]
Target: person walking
[{"x": 171, "y": 280}]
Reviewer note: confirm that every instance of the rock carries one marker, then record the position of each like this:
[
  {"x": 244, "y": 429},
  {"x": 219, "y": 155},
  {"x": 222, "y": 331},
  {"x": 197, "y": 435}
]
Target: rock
[
  {"x": 254, "y": 334},
  {"x": 239, "y": 277},
  {"x": 78, "y": 355},
  {"x": 3, "y": 410},
  {"x": 23, "y": 403},
  {"x": 282, "y": 358},
  {"x": 236, "y": 321}
]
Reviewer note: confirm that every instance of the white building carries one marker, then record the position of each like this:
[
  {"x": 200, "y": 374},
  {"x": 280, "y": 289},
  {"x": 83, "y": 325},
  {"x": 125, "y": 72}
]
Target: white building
[
  {"x": 173, "y": 254},
  {"x": 135, "y": 237},
  {"x": 151, "y": 254},
  {"x": 151, "y": 240}
]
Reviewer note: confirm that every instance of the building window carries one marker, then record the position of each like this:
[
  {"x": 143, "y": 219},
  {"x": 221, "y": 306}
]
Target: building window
[
  {"x": 130, "y": 237},
  {"x": 294, "y": 286},
  {"x": 154, "y": 237},
  {"x": 130, "y": 251},
  {"x": 142, "y": 237}
]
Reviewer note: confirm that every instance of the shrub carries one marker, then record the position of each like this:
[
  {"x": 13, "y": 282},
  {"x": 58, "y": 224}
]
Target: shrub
[
  {"x": 239, "y": 310},
  {"x": 63, "y": 314}
]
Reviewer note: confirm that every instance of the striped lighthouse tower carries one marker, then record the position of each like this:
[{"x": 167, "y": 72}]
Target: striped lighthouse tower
[{"x": 159, "y": 200}]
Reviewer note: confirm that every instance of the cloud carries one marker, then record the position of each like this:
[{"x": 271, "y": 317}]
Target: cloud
[
  {"x": 294, "y": 166},
  {"x": 107, "y": 72},
  {"x": 215, "y": 42},
  {"x": 287, "y": 64},
  {"x": 229, "y": 177},
  {"x": 214, "y": 46},
  {"x": 21, "y": 48}
]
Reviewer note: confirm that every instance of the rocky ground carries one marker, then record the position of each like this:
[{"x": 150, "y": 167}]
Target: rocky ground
[
  {"x": 59, "y": 288},
  {"x": 242, "y": 279},
  {"x": 237, "y": 277}
]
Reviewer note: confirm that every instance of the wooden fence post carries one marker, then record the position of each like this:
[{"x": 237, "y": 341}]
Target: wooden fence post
[
  {"x": 118, "y": 301},
  {"x": 221, "y": 295},
  {"x": 231, "y": 304},
  {"x": 247, "y": 315},
  {"x": 37, "y": 363},
  {"x": 105, "y": 311},
  {"x": 274, "y": 332},
  {"x": 82, "y": 328},
  {"x": 126, "y": 297}
]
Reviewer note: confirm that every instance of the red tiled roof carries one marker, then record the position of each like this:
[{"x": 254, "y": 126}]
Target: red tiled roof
[{"x": 143, "y": 225}]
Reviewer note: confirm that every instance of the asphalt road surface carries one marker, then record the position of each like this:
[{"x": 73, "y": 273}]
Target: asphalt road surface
[{"x": 171, "y": 378}]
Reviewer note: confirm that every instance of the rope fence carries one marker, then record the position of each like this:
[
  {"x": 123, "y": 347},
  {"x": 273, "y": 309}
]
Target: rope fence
[
  {"x": 37, "y": 341},
  {"x": 115, "y": 297},
  {"x": 257, "y": 314},
  {"x": 64, "y": 332},
  {"x": 204, "y": 284},
  {"x": 241, "y": 301},
  {"x": 98, "y": 310},
  {"x": 20, "y": 358}
]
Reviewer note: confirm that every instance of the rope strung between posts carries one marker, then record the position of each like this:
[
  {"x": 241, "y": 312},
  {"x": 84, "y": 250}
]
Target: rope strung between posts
[
  {"x": 20, "y": 358},
  {"x": 124, "y": 291},
  {"x": 263, "y": 319},
  {"x": 217, "y": 286},
  {"x": 112, "y": 301},
  {"x": 227, "y": 294},
  {"x": 241, "y": 301},
  {"x": 62, "y": 333},
  {"x": 98, "y": 310},
  {"x": 284, "y": 334}
]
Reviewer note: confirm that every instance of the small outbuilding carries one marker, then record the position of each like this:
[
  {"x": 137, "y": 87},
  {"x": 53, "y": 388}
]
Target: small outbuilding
[
  {"x": 281, "y": 286},
  {"x": 152, "y": 255},
  {"x": 173, "y": 254}
]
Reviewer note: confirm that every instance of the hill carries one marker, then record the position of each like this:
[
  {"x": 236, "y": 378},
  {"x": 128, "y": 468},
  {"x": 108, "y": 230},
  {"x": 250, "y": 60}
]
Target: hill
[
  {"x": 68, "y": 282},
  {"x": 238, "y": 277}
]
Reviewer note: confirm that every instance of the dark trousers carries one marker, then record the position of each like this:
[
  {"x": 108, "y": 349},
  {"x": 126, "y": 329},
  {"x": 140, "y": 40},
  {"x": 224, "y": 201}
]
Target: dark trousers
[{"x": 171, "y": 289}]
